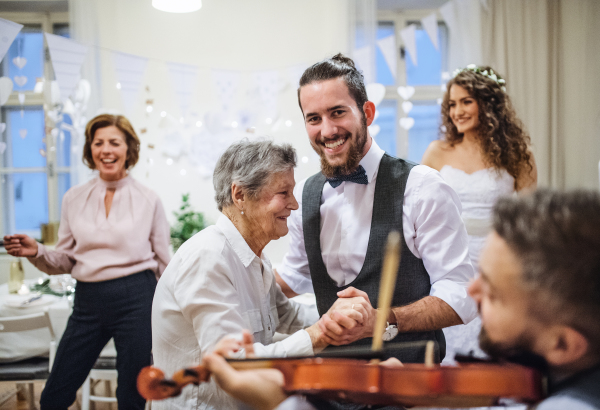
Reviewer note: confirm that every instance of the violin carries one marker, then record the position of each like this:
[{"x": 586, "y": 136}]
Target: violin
[{"x": 357, "y": 381}]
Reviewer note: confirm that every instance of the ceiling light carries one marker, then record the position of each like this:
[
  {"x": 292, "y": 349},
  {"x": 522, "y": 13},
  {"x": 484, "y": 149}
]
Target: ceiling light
[{"x": 177, "y": 6}]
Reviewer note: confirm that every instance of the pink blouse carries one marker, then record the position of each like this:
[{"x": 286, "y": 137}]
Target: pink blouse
[{"x": 93, "y": 247}]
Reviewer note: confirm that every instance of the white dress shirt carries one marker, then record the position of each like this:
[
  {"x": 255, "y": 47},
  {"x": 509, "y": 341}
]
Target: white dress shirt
[
  {"x": 432, "y": 227},
  {"x": 216, "y": 286}
]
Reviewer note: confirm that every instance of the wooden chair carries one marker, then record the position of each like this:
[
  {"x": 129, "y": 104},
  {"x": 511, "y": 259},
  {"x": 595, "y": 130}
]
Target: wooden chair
[{"x": 34, "y": 369}]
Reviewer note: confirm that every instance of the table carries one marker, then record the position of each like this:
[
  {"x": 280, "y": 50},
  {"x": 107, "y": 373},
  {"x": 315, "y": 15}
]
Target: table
[{"x": 23, "y": 345}]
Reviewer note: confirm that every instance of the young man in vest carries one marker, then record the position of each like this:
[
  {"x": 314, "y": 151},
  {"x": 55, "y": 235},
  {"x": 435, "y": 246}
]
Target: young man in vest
[
  {"x": 538, "y": 294},
  {"x": 338, "y": 235}
]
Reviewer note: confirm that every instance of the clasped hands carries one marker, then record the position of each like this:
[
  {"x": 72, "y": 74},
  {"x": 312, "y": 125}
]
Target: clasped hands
[{"x": 350, "y": 318}]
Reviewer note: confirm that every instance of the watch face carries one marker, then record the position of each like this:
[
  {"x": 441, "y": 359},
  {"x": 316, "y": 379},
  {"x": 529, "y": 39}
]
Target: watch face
[{"x": 390, "y": 333}]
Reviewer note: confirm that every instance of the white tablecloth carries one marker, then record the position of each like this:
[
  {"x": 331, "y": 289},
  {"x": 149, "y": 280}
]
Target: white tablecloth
[{"x": 31, "y": 343}]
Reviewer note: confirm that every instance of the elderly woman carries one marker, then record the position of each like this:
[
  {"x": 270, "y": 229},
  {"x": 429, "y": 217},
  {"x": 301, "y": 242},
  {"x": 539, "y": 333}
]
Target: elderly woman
[
  {"x": 221, "y": 282},
  {"x": 114, "y": 239}
]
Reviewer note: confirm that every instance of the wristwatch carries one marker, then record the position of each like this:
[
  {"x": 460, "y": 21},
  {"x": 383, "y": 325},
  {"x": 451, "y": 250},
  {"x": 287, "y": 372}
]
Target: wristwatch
[{"x": 391, "y": 331}]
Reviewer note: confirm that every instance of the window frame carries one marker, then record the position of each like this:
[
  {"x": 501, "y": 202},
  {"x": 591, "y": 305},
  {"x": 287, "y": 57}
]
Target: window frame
[
  {"x": 401, "y": 19},
  {"x": 46, "y": 21}
]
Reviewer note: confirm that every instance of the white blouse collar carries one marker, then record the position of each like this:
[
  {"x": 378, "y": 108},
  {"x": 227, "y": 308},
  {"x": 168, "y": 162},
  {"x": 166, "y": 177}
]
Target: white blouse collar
[{"x": 237, "y": 241}]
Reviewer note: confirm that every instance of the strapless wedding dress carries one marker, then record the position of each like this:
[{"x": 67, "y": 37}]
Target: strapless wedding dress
[{"x": 478, "y": 192}]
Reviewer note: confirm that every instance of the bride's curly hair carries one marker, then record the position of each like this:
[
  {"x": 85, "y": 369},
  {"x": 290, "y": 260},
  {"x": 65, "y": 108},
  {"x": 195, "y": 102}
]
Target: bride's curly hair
[{"x": 504, "y": 141}]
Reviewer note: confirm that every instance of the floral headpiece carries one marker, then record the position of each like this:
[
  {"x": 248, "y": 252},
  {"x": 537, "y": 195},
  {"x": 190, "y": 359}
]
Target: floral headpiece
[{"x": 490, "y": 74}]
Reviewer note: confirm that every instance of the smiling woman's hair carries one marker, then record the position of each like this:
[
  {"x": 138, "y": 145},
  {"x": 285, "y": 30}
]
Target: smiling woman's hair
[
  {"x": 250, "y": 164},
  {"x": 123, "y": 124},
  {"x": 556, "y": 237},
  {"x": 504, "y": 141}
]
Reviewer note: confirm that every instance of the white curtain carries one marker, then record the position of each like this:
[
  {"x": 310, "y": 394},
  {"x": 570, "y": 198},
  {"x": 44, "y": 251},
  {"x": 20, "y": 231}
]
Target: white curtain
[{"x": 549, "y": 52}]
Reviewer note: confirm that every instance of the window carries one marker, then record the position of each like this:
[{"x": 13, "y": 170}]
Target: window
[
  {"x": 35, "y": 165},
  {"x": 425, "y": 77}
]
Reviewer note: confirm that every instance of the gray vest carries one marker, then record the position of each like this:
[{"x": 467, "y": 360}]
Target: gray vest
[{"x": 412, "y": 282}]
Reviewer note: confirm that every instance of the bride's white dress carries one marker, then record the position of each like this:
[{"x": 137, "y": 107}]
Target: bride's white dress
[{"x": 478, "y": 192}]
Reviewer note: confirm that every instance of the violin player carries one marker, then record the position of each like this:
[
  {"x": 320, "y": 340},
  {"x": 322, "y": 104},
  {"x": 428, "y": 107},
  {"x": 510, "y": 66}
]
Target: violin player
[{"x": 538, "y": 293}]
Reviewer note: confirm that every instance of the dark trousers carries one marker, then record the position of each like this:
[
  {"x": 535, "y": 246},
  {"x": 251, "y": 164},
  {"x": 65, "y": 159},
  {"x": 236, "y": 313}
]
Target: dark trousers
[{"x": 119, "y": 308}]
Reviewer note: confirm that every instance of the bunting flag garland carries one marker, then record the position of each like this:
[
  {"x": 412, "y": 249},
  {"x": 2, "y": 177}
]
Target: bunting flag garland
[
  {"x": 226, "y": 84},
  {"x": 67, "y": 58},
  {"x": 268, "y": 89},
  {"x": 8, "y": 32},
  {"x": 387, "y": 45},
  {"x": 363, "y": 59},
  {"x": 130, "y": 70},
  {"x": 183, "y": 77},
  {"x": 430, "y": 25},
  {"x": 410, "y": 42}
]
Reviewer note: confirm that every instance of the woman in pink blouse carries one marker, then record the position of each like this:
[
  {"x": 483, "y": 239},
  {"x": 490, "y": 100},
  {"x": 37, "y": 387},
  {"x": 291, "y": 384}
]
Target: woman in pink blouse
[{"x": 114, "y": 239}]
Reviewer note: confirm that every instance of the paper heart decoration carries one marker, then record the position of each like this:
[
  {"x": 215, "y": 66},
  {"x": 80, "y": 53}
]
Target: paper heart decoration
[
  {"x": 23, "y": 133},
  {"x": 2, "y": 127},
  {"x": 374, "y": 130},
  {"x": 407, "y": 122},
  {"x": 407, "y": 106},
  {"x": 406, "y": 92},
  {"x": 6, "y": 87},
  {"x": 443, "y": 88},
  {"x": 375, "y": 93},
  {"x": 83, "y": 91},
  {"x": 54, "y": 132},
  {"x": 21, "y": 98},
  {"x": 20, "y": 80},
  {"x": 376, "y": 116},
  {"x": 2, "y": 147},
  {"x": 19, "y": 61},
  {"x": 439, "y": 101},
  {"x": 445, "y": 76},
  {"x": 42, "y": 152}
]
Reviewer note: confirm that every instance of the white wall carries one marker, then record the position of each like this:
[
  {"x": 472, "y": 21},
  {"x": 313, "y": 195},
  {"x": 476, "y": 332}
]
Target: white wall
[{"x": 224, "y": 34}]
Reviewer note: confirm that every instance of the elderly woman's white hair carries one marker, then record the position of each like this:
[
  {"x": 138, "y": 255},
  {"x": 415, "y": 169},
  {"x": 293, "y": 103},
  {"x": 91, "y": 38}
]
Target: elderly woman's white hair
[{"x": 250, "y": 164}]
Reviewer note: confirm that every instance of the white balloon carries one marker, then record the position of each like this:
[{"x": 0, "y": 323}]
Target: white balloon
[
  {"x": 406, "y": 92},
  {"x": 51, "y": 93},
  {"x": 82, "y": 92},
  {"x": 407, "y": 122},
  {"x": 374, "y": 130},
  {"x": 375, "y": 93}
]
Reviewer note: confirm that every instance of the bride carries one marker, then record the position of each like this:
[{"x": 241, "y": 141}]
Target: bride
[{"x": 483, "y": 155}]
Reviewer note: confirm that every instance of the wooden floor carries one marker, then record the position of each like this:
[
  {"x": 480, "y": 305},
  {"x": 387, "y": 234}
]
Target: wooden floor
[{"x": 14, "y": 403}]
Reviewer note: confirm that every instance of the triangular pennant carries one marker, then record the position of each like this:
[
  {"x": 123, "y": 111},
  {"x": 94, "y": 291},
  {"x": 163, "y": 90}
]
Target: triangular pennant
[
  {"x": 410, "y": 43},
  {"x": 130, "y": 72},
  {"x": 268, "y": 89},
  {"x": 430, "y": 25},
  {"x": 183, "y": 77},
  {"x": 364, "y": 60},
  {"x": 387, "y": 45},
  {"x": 226, "y": 84},
  {"x": 8, "y": 32},
  {"x": 67, "y": 58}
]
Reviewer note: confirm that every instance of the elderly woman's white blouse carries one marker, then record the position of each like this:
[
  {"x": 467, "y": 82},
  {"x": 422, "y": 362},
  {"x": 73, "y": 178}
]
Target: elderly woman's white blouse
[{"x": 213, "y": 287}]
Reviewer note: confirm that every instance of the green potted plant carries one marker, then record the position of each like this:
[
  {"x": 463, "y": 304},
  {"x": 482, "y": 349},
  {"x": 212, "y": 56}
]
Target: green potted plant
[{"x": 188, "y": 223}]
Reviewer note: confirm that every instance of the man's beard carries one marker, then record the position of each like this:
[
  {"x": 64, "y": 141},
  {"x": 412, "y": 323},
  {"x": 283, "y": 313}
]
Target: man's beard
[
  {"x": 355, "y": 154},
  {"x": 521, "y": 346}
]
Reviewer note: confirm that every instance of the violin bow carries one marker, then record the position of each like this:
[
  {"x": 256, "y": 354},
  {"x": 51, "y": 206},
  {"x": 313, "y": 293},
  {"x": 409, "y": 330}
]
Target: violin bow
[{"x": 391, "y": 262}]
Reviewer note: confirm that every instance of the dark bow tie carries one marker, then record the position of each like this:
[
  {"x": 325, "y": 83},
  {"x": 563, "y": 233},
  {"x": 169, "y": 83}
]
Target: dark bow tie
[{"x": 358, "y": 177}]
